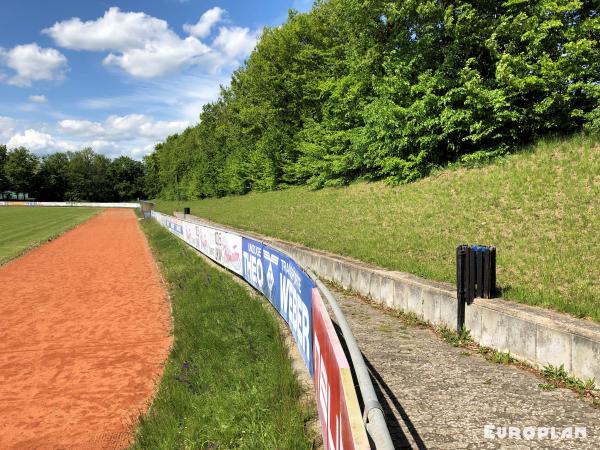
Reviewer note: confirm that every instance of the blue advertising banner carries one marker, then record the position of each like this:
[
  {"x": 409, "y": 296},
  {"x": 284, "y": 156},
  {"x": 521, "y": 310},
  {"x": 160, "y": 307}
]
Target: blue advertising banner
[{"x": 286, "y": 286}]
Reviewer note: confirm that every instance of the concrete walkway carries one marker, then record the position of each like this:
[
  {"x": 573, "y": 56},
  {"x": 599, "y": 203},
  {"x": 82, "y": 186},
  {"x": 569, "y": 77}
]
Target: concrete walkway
[{"x": 440, "y": 396}]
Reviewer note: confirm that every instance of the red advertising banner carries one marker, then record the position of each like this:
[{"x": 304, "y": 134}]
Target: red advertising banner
[{"x": 339, "y": 411}]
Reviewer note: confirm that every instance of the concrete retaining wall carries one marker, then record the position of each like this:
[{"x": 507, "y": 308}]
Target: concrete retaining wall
[{"x": 532, "y": 334}]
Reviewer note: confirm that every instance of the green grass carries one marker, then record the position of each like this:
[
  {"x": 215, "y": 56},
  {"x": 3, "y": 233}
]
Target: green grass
[
  {"x": 454, "y": 338},
  {"x": 228, "y": 382},
  {"x": 557, "y": 376},
  {"x": 498, "y": 357},
  {"x": 23, "y": 227},
  {"x": 540, "y": 207}
]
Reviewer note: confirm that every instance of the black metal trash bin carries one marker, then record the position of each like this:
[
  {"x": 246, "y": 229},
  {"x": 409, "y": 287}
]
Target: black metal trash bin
[{"x": 475, "y": 275}]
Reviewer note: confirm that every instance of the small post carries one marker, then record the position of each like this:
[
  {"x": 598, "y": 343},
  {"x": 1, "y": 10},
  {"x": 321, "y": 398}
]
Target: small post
[
  {"x": 479, "y": 270},
  {"x": 471, "y": 275},
  {"x": 487, "y": 274},
  {"x": 461, "y": 284},
  {"x": 186, "y": 212},
  {"x": 493, "y": 269}
]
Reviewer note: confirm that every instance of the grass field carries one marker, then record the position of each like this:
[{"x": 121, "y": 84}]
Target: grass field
[
  {"x": 229, "y": 381},
  {"x": 23, "y": 227},
  {"x": 540, "y": 207}
]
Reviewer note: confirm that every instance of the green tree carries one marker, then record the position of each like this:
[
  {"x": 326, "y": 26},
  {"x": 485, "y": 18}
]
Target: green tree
[
  {"x": 89, "y": 177},
  {"x": 127, "y": 176},
  {"x": 54, "y": 177},
  {"x": 383, "y": 89},
  {"x": 3, "y": 158},
  {"x": 21, "y": 169},
  {"x": 151, "y": 178}
]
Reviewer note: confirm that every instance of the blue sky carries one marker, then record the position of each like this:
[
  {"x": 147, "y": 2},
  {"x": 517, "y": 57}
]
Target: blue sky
[{"x": 119, "y": 75}]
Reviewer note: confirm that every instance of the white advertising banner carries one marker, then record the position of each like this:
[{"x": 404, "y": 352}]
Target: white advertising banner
[
  {"x": 72, "y": 204},
  {"x": 221, "y": 246}
]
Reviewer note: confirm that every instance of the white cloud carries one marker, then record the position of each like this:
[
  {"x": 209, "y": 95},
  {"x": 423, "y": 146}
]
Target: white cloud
[
  {"x": 159, "y": 57},
  {"x": 122, "y": 128},
  {"x": 38, "y": 98},
  {"x": 145, "y": 47},
  {"x": 133, "y": 135},
  {"x": 81, "y": 127},
  {"x": 142, "y": 45},
  {"x": 235, "y": 42},
  {"x": 33, "y": 63},
  {"x": 116, "y": 30},
  {"x": 162, "y": 128},
  {"x": 7, "y": 127},
  {"x": 39, "y": 142},
  {"x": 207, "y": 21}
]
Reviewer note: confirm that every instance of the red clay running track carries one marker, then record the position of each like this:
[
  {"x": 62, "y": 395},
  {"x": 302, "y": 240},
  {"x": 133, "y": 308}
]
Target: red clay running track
[{"x": 84, "y": 333}]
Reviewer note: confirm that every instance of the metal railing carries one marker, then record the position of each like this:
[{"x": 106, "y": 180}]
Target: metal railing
[{"x": 373, "y": 416}]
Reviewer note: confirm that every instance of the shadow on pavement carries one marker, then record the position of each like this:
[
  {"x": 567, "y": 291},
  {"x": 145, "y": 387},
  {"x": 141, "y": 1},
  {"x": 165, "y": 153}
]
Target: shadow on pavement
[{"x": 396, "y": 431}]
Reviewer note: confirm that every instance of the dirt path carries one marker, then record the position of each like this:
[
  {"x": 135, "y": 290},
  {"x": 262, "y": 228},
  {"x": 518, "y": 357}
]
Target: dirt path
[
  {"x": 439, "y": 396},
  {"x": 84, "y": 332}
]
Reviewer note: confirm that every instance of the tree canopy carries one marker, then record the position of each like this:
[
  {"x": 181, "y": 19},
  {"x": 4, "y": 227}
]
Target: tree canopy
[
  {"x": 381, "y": 89},
  {"x": 71, "y": 176}
]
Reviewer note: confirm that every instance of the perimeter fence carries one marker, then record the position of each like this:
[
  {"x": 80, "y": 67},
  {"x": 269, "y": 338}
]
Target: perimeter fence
[
  {"x": 72, "y": 204},
  {"x": 350, "y": 418}
]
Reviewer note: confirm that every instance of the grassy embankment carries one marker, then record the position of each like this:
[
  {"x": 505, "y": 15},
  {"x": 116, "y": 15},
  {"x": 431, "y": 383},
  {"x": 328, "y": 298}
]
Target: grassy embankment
[
  {"x": 229, "y": 381},
  {"x": 540, "y": 207},
  {"x": 24, "y": 227}
]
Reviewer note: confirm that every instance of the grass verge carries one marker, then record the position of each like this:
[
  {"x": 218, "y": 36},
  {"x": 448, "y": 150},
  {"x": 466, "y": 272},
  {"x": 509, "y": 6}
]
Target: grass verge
[
  {"x": 455, "y": 338},
  {"x": 557, "y": 376},
  {"x": 25, "y": 227},
  {"x": 228, "y": 382},
  {"x": 539, "y": 207}
]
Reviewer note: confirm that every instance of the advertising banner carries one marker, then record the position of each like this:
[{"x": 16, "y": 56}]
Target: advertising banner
[
  {"x": 286, "y": 286},
  {"x": 339, "y": 411},
  {"x": 222, "y": 247},
  {"x": 298, "y": 301},
  {"x": 73, "y": 204}
]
